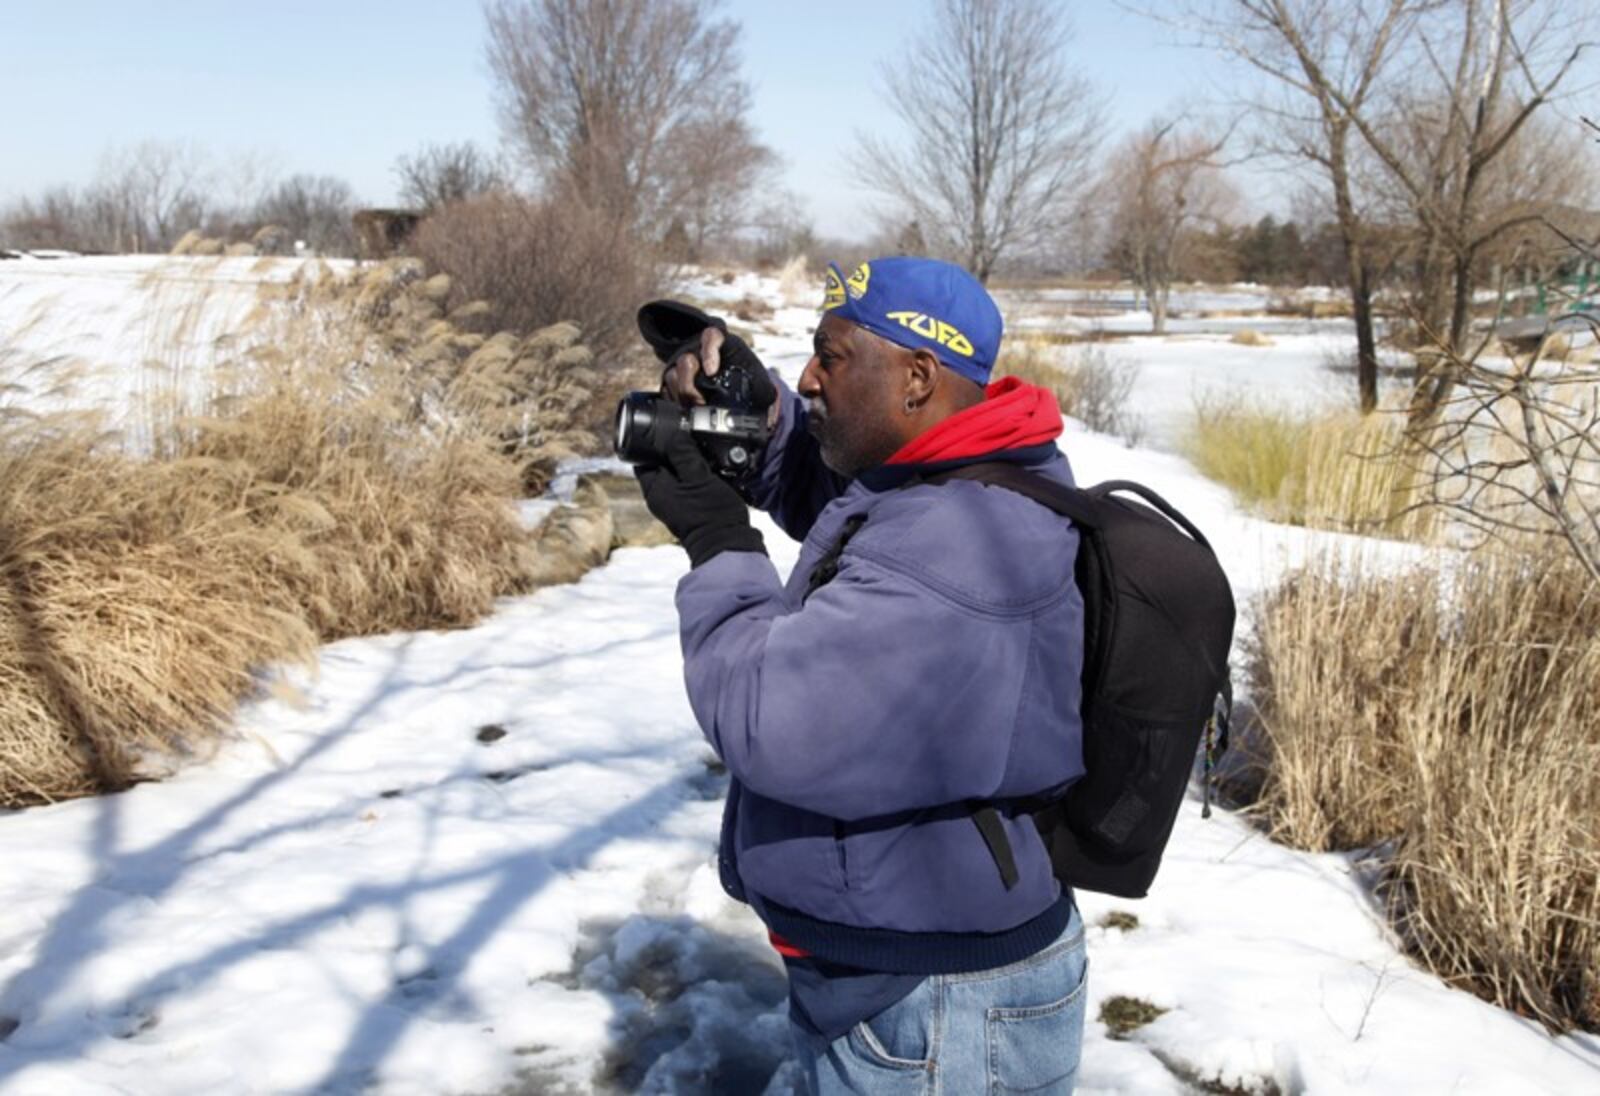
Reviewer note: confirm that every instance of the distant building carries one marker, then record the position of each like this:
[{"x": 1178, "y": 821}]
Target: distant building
[{"x": 383, "y": 232}]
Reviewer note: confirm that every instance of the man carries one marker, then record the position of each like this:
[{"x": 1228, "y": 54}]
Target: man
[{"x": 921, "y": 663}]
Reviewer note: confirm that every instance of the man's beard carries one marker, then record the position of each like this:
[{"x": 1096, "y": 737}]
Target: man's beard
[
  {"x": 844, "y": 450},
  {"x": 825, "y": 431}
]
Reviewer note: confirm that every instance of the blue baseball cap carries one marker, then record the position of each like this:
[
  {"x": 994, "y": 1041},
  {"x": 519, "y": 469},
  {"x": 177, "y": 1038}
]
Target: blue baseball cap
[{"x": 921, "y": 304}]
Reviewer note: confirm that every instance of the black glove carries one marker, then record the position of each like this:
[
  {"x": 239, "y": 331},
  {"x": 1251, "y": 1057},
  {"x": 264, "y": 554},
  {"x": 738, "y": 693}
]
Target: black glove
[
  {"x": 673, "y": 329},
  {"x": 705, "y": 514}
]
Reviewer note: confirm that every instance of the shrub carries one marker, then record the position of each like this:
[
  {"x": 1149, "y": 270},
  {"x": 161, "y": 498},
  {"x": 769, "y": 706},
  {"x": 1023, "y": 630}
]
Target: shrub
[
  {"x": 1311, "y": 306},
  {"x": 1089, "y": 385},
  {"x": 535, "y": 263},
  {"x": 1249, "y": 336},
  {"x": 797, "y": 286},
  {"x": 1327, "y": 471},
  {"x": 751, "y": 309},
  {"x": 1448, "y": 716}
]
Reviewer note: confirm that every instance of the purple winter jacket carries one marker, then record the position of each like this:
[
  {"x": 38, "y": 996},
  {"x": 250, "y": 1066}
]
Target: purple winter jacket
[{"x": 940, "y": 667}]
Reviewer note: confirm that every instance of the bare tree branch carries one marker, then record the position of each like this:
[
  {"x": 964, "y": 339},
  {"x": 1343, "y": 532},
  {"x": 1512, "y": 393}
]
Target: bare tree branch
[
  {"x": 605, "y": 98},
  {"x": 999, "y": 132}
]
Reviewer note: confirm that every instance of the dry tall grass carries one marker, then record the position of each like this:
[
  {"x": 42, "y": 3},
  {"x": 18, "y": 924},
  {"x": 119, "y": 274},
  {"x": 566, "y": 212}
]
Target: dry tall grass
[
  {"x": 1452, "y": 717},
  {"x": 354, "y": 470},
  {"x": 1327, "y": 471},
  {"x": 133, "y": 608},
  {"x": 797, "y": 286},
  {"x": 1086, "y": 382}
]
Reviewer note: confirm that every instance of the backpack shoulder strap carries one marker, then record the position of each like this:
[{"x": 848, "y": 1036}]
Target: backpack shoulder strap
[
  {"x": 827, "y": 567},
  {"x": 1081, "y": 506}
]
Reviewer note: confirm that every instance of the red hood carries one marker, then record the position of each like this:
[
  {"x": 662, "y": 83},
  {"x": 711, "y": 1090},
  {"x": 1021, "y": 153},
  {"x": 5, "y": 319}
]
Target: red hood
[{"x": 1013, "y": 415}]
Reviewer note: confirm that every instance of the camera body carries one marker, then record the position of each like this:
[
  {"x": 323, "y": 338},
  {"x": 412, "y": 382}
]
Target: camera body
[{"x": 730, "y": 428}]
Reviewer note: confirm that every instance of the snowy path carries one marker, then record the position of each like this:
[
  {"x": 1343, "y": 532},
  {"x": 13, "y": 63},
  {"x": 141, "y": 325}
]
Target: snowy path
[
  {"x": 365, "y": 889},
  {"x": 480, "y": 862}
]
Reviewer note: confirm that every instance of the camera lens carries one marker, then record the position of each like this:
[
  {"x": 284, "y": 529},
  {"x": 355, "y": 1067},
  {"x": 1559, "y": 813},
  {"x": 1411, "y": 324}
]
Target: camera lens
[
  {"x": 645, "y": 425},
  {"x": 624, "y": 427}
]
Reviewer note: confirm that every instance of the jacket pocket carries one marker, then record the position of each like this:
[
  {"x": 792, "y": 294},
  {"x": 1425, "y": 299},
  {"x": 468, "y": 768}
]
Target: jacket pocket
[{"x": 727, "y": 853}]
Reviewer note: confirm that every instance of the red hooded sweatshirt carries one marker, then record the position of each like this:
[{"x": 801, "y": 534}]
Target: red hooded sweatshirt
[{"x": 1013, "y": 415}]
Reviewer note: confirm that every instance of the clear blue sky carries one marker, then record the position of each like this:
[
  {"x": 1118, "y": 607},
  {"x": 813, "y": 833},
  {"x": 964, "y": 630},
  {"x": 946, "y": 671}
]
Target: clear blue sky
[{"x": 345, "y": 86}]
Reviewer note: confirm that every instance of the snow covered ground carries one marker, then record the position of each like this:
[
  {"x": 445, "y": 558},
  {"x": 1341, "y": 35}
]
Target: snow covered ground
[
  {"x": 1305, "y": 364},
  {"x": 118, "y": 330},
  {"x": 481, "y": 862}
]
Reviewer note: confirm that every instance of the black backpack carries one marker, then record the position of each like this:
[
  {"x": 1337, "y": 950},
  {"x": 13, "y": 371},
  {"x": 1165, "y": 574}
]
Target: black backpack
[{"x": 1158, "y": 625}]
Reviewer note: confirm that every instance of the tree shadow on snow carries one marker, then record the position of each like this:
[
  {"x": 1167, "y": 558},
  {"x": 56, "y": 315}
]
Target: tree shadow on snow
[
  {"x": 676, "y": 994},
  {"x": 128, "y": 877}
]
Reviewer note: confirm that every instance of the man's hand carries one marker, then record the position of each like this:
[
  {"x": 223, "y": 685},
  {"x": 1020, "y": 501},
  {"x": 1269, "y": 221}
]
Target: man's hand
[
  {"x": 677, "y": 383},
  {"x": 693, "y": 343},
  {"x": 706, "y": 515}
]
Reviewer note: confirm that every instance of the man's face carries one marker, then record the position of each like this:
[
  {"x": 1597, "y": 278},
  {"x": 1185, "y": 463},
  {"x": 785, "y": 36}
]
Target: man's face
[{"x": 854, "y": 401}]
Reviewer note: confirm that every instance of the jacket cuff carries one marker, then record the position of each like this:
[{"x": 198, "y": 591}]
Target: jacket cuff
[{"x": 709, "y": 541}]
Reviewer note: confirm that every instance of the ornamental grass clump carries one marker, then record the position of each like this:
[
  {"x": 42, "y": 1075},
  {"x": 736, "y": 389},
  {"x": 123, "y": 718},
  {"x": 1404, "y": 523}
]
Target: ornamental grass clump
[
  {"x": 133, "y": 607},
  {"x": 352, "y": 468},
  {"x": 394, "y": 445},
  {"x": 1337, "y": 470},
  {"x": 1449, "y": 715}
]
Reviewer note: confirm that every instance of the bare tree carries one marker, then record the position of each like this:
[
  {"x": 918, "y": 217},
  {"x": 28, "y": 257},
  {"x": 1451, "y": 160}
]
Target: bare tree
[
  {"x": 1159, "y": 186},
  {"x": 601, "y": 94},
  {"x": 55, "y": 219},
  {"x": 1326, "y": 61},
  {"x": 314, "y": 208},
  {"x": 1516, "y": 449},
  {"x": 438, "y": 174},
  {"x": 1458, "y": 147},
  {"x": 716, "y": 171},
  {"x": 149, "y": 194},
  {"x": 1437, "y": 94},
  {"x": 999, "y": 132},
  {"x": 780, "y": 230},
  {"x": 143, "y": 198}
]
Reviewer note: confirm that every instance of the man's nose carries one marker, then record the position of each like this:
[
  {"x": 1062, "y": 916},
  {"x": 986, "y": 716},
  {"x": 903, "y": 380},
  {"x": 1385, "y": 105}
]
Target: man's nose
[{"x": 808, "y": 386}]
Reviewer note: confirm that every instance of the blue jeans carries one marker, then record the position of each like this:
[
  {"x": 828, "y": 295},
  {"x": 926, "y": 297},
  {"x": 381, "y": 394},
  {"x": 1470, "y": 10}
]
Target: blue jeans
[{"x": 1013, "y": 1029}]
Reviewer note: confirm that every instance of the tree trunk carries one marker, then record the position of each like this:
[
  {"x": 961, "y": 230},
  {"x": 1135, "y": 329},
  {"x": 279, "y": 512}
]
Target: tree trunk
[
  {"x": 1366, "y": 343},
  {"x": 1435, "y": 384},
  {"x": 1157, "y": 297},
  {"x": 1433, "y": 293},
  {"x": 1357, "y": 276},
  {"x": 1358, "y": 279}
]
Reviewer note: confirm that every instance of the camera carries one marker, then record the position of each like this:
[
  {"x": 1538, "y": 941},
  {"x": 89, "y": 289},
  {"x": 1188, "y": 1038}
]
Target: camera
[{"x": 730, "y": 428}]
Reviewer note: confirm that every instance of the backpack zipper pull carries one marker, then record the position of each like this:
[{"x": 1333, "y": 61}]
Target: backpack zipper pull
[{"x": 1217, "y": 731}]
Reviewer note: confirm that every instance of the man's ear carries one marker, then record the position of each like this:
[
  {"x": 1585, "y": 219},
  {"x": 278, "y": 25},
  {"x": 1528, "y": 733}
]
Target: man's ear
[{"x": 922, "y": 377}]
